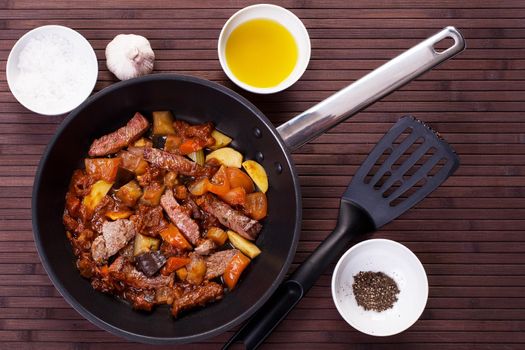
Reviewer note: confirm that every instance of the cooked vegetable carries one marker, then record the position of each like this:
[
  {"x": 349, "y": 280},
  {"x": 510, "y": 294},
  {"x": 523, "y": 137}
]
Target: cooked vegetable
[
  {"x": 234, "y": 269},
  {"x": 144, "y": 244},
  {"x": 238, "y": 178},
  {"x": 217, "y": 235},
  {"x": 227, "y": 156},
  {"x": 219, "y": 183},
  {"x": 190, "y": 146},
  {"x": 172, "y": 143},
  {"x": 133, "y": 162},
  {"x": 235, "y": 196},
  {"x": 143, "y": 142},
  {"x": 123, "y": 177},
  {"x": 256, "y": 205},
  {"x": 257, "y": 173},
  {"x": 199, "y": 187},
  {"x": 130, "y": 193},
  {"x": 152, "y": 194},
  {"x": 174, "y": 237},
  {"x": 163, "y": 123},
  {"x": 196, "y": 271},
  {"x": 98, "y": 191},
  {"x": 150, "y": 263},
  {"x": 170, "y": 179},
  {"x": 102, "y": 168},
  {"x": 175, "y": 263},
  {"x": 243, "y": 244},
  {"x": 197, "y": 157},
  {"x": 221, "y": 140},
  {"x": 182, "y": 273},
  {"x": 122, "y": 214}
]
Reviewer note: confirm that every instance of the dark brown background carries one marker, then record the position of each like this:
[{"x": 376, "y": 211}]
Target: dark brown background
[{"x": 469, "y": 234}]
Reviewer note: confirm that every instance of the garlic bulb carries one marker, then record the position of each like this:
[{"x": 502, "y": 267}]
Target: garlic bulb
[{"x": 129, "y": 56}]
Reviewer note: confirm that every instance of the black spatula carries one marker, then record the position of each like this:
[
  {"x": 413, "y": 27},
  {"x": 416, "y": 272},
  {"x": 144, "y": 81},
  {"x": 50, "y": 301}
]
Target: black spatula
[{"x": 408, "y": 163}]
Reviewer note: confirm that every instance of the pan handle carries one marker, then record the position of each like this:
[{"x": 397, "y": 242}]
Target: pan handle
[{"x": 370, "y": 88}]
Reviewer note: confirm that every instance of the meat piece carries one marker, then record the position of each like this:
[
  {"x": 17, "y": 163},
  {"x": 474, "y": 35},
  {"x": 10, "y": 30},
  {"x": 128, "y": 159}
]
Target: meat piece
[
  {"x": 117, "y": 140},
  {"x": 115, "y": 236},
  {"x": 174, "y": 162},
  {"x": 231, "y": 218},
  {"x": 140, "y": 300},
  {"x": 197, "y": 296},
  {"x": 194, "y": 208},
  {"x": 123, "y": 270},
  {"x": 217, "y": 262},
  {"x": 205, "y": 247},
  {"x": 179, "y": 217},
  {"x": 149, "y": 221}
]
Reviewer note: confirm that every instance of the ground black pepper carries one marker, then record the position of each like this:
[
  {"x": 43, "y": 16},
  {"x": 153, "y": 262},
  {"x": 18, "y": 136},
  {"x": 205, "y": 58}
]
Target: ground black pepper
[{"x": 375, "y": 290}]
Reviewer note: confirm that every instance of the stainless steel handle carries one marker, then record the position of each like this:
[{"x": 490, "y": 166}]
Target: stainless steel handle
[{"x": 369, "y": 89}]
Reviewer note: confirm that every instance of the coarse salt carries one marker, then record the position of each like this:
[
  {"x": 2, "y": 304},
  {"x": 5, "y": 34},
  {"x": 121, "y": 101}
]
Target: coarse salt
[{"x": 52, "y": 73}]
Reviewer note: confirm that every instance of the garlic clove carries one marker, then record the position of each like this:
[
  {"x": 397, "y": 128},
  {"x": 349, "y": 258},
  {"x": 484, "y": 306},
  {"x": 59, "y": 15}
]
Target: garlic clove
[{"x": 129, "y": 56}]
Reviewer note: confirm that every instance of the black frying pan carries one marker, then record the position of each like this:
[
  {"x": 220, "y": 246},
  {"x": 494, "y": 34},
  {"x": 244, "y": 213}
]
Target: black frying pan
[{"x": 197, "y": 100}]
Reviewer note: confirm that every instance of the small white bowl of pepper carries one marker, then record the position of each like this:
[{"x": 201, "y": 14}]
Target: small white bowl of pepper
[{"x": 380, "y": 287}]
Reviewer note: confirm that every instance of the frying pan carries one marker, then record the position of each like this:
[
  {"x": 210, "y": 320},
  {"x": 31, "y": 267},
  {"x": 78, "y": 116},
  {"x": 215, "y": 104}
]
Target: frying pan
[{"x": 197, "y": 100}]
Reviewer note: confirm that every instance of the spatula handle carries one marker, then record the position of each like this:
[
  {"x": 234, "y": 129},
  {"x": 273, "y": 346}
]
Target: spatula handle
[
  {"x": 370, "y": 88},
  {"x": 352, "y": 221}
]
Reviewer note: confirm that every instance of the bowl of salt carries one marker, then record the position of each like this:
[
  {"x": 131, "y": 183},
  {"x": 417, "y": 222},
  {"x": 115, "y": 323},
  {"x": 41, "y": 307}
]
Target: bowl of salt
[{"x": 51, "y": 70}]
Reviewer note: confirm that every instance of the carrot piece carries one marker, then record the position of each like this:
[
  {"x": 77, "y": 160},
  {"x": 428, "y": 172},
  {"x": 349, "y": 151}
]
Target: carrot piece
[
  {"x": 174, "y": 263},
  {"x": 190, "y": 146},
  {"x": 235, "y": 267},
  {"x": 174, "y": 237}
]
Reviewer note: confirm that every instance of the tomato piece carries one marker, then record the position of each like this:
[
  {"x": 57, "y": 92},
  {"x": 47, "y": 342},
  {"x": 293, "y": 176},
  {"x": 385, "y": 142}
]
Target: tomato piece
[
  {"x": 199, "y": 187},
  {"x": 219, "y": 183},
  {"x": 102, "y": 168},
  {"x": 235, "y": 267},
  {"x": 190, "y": 145},
  {"x": 256, "y": 205},
  {"x": 235, "y": 196},
  {"x": 174, "y": 263},
  {"x": 174, "y": 237},
  {"x": 239, "y": 178}
]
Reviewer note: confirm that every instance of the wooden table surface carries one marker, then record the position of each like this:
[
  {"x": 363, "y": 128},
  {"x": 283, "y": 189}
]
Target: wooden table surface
[{"x": 470, "y": 233}]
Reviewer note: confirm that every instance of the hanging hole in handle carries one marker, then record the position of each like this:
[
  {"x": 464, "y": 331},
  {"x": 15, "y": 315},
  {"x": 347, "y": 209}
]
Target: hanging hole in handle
[{"x": 444, "y": 44}]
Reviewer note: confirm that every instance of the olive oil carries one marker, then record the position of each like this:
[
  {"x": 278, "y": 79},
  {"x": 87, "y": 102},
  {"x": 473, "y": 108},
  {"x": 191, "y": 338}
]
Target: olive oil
[{"x": 261, "y": 53}]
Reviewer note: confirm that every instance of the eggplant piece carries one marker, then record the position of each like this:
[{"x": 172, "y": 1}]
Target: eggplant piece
[
  {"x": 159, "y": 141},
  {"x": 150, "y": 263},
  {"x": 123, "y": 177}
]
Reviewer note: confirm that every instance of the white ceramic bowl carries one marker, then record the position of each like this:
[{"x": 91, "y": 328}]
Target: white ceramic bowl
[
  {"x": 287, "y": 19},
  {"x": 398, "y": 262},
  {"x": 84, "y": 83}
]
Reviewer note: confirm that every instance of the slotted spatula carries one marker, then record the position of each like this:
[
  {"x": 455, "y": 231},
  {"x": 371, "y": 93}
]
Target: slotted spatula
[{"x": 407, "y": 164}]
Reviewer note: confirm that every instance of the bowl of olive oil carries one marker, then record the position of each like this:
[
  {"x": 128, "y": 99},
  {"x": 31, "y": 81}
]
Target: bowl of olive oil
[{"x": 264, "y": 48}]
